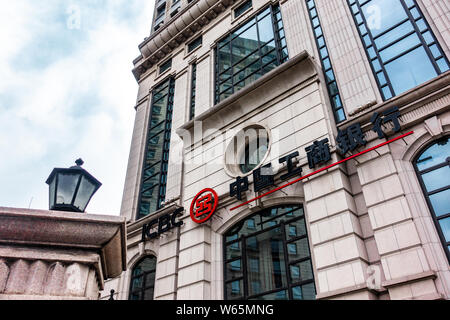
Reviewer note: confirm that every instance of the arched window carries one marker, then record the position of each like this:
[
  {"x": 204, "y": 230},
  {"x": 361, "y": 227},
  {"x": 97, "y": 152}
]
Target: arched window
[
  {"x": 433, "y": 169},
  {"x": 143, "y": 279},
  {"x": 267, "y": 257}
]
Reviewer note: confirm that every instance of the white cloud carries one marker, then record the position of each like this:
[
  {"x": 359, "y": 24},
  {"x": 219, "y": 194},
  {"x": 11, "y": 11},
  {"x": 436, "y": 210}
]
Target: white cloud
[{"x": 68, "y": 94}]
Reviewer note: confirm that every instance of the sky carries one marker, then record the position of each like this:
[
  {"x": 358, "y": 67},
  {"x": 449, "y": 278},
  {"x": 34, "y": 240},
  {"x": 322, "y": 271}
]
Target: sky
[{"x": 67, "y": 92}]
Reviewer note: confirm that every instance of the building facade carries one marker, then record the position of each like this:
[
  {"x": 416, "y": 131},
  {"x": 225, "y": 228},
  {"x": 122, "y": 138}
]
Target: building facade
[{"x": 315, "y": 132}]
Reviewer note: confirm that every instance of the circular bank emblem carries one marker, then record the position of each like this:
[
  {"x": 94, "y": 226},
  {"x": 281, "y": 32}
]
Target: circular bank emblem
[{"x": 204, "y": 205}]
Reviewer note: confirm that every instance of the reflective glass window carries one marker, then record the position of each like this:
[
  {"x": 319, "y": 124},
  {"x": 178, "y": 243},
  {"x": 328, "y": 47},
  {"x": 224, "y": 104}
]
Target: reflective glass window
[
  {"x": 267, "y": 257},
  {"x": 143, "y": 279},
  {"x": 249, "y": 52},
  {"x": 400, "y": 44},
  {"x": 433, "y": 169}
]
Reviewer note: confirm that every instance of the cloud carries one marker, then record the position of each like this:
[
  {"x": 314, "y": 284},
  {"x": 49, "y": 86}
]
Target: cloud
[{"x": 66, "y": 91}]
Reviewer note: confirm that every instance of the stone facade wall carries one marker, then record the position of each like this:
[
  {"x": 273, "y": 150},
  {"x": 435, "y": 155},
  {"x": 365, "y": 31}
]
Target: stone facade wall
[{"x": 365, "y": 218}]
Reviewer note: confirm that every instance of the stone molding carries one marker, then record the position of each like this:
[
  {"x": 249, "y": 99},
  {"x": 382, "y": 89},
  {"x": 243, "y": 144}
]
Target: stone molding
[
  {"x": 174, "y": 33},
  {"x": 58, "y": 255}
]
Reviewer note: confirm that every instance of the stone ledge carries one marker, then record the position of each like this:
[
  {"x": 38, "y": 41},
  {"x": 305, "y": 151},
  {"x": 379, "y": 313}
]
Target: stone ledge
[
  {"x": 349, "y": 290},
  {"x": 55, "y": 230},
  {"x": 408, "y": 279}
]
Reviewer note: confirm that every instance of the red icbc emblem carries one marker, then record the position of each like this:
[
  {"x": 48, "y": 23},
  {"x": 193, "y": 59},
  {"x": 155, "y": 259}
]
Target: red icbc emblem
[{"x": 204, "y": 205}]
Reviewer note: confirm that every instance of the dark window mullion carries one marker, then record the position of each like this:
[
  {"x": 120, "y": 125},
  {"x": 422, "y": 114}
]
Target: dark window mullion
[
  {"x": 419, "y": 34},
  {"x": 382, "y": 64}
]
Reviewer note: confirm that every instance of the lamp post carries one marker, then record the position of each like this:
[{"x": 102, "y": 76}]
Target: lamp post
[{"x": 72, "y": 188}]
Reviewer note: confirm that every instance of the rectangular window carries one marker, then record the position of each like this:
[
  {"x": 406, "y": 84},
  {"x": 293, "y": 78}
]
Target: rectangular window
[
  {"x": 333, "y": 90},
  {"x": 193, "y": 91},
  {"x": 165, "y": 66},
  {"x": 242, "y": 8},
  {"x": 249, "y": 52},
  {"x": 156, "y": 159},
  {"x": 195, "y": 44},
  {"x": 399, "y": 43}
]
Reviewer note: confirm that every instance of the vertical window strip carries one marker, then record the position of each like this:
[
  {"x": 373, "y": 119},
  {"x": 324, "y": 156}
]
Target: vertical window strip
[
  {"x": 193, "y": 91},
  {"x": 416, "y": 34},
  {"x": 250, "y": 51},
  {"x": 156, "y": 159},
  {"x": 333, "y": 90}
]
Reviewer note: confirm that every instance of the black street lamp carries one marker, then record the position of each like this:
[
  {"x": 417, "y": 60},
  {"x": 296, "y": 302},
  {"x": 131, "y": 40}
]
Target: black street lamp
[{"x": 71, "y": 189}]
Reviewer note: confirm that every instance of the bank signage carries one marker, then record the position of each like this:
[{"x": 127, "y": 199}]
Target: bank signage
[
  {"x": 163, "y": 224},
  {"x": 204, "y": 205}
]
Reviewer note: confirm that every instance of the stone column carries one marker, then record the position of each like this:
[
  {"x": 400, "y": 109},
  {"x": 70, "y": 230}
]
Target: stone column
[
  {"x": 49, "y": 255},
  {"x": 405, "y": 265},
  {"x": 338, "y": 249}
]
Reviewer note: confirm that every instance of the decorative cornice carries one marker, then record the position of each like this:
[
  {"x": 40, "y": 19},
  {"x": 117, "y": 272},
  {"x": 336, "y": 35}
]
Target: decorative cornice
[
  {"x": 176, "y": 31},
  {"x": 65, "y": 230}
]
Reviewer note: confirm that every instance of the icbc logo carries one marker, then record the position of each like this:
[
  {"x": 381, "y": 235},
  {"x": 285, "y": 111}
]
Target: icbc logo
[{"x": 204, "y": 205}]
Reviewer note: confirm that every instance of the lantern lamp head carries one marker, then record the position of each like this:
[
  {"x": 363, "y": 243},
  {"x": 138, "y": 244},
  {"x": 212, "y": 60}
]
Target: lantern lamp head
[{"x": 71, "y": 189}]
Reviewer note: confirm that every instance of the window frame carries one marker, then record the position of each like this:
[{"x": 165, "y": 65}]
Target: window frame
[
  {"x": 144, "y": 288},
  {"x": 230, "y": 36},
  {"x": 193, "y": 93},
  {"x": 286, "y": 263},
  {"x": 329, "y": 84},
  {"x": 420, "y": 34},
  {"x": 427, "y": 194},
  {"x": 163, "y": 163}
]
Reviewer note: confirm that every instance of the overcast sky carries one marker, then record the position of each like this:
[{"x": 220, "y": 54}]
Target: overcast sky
[{"x": 67, "y": 91}]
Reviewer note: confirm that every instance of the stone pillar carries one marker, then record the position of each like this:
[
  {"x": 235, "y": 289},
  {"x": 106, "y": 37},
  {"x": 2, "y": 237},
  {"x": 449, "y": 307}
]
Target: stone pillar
[
  {"x": 405, "y": 265},
  {"x": 338, "y": 249},
  {"x": 49, "y": 255}
]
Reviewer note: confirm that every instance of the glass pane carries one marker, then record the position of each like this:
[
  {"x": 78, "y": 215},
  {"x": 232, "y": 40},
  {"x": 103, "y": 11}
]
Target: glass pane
[
  {"x": 301, "y": 271},
  {"x": 266, "y": 29},
  {"x": 241, "y": 9},
  {"x": 443, "y": 65},
  {"x": 233, "y": 250},
  {"x": 445, "y": 226},
  {"x": 298, "y": 249},
  {"x": 394, "y": 34},
  {"x": 52, "y": 192},
  {"x": 67, "y": 183},
  {"x": 235, "y": 289},
  {"x": 254, "y": 152},
  {"x": 136, "y": 296},
  {"x": 150, "y": 279},
  {"x": 441, "y": 202},
  {"x": 306, "y": 292},
  {"x": 267, "y": 249},
  {"x": 280, "y": 295},
  {"x": 383, "y": 14},
  {"x": 296, "y": 229},
  {"x": 437, "y": 179},
  {"x": 148, "y": 294},
  {"x": 399, "y": 47},
  {"x": 233, "y": 269},
  {"x": 434, "y": 155},
  {"x": 84, "y": 194},
  {"x": 137, "y": 283},
  {"x": 148, "y": 264},
  {"x": 410, "y": 70}
]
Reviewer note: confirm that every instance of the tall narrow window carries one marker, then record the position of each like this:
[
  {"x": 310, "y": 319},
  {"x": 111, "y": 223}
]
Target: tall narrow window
[
  {"x": 142, "y": 285},
  {"x": 249, "y": 52},
  {"x": 156, "y": 158},
  {"x": 266, "y": 260},
  {"x": 333, "y": 91},
  {"x": 399, "y": 43},
  {"x": 193, "y": 91},
  {"x": 433, "y": 169}
]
